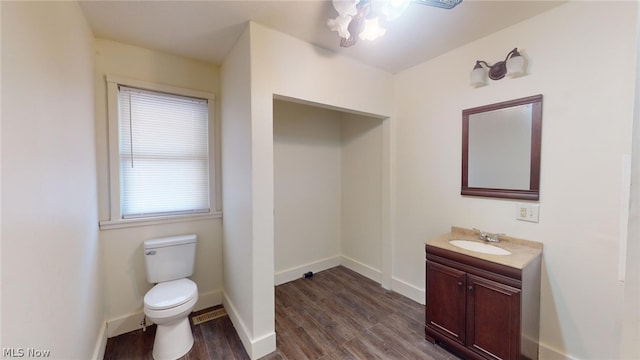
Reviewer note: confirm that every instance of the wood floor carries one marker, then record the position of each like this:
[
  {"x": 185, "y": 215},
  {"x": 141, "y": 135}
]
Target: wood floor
[
  {"x": 214, "y": 339},
  {"x": 338, "y": 314}
]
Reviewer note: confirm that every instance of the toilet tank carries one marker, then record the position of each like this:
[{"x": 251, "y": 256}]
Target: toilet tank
[{"x": 170, "y": 258}]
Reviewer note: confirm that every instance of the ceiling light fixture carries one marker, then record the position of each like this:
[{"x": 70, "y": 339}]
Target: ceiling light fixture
[
  {"x": 372, "y": 29},
  {"x": 513, "y": 65},
  {"x": 361, "y": 19}
]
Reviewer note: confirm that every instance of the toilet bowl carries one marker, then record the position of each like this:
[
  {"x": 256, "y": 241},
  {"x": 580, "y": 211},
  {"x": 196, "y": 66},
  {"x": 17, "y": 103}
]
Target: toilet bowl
[{"x": 168, "y": 305}]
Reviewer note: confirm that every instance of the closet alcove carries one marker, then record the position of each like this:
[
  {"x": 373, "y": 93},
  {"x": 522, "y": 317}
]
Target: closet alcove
[{"x": 328, "y": 190}]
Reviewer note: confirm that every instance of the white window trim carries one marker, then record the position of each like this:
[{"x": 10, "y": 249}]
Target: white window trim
[{"x": 115, "y": 217}]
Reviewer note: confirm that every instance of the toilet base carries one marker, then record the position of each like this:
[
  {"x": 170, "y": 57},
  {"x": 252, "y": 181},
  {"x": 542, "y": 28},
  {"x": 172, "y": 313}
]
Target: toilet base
[{"x": 172, "y": 340}]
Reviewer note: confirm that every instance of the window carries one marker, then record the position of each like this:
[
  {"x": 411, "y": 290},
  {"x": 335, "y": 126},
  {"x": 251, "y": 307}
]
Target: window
[{"x": 159, "y": 154}]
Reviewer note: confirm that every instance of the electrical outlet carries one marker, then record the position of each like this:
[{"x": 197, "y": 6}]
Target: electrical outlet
[
  {"x": 528, "y": 212},
  {"x": 522, "y": 212}
]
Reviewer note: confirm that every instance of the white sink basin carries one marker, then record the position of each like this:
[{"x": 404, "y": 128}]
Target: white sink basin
[{"x": 479, "y": 247}]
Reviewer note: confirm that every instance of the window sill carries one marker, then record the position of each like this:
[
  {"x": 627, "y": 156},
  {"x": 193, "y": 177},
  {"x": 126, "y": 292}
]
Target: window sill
[{"x": 126, "y": 223}]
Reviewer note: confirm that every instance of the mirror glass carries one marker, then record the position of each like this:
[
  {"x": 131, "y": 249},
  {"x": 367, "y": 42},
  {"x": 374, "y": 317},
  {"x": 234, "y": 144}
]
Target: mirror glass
[{"x": 501, "y": 149}]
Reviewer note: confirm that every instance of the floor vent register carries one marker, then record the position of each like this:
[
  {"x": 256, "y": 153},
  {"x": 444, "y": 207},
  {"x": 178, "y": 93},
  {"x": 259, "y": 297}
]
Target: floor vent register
[{"x": 208, "y": 316}]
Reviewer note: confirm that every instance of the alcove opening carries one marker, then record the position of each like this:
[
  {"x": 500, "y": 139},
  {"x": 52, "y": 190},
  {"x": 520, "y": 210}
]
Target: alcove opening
[{"x": 328, "y": 190}]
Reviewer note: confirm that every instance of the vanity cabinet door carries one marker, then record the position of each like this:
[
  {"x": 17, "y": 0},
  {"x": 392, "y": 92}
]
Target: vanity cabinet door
[
  {"x": 493, "y": 318},
  {"x": 445, "y": 308}
]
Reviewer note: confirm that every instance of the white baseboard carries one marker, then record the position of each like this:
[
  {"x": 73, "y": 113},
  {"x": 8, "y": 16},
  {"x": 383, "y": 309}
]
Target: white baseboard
[
  {"x": 256, "y": 348},
  {"x": 124, "y": 324},
  {"x": 295, "y": 273},
  {"x": 131, "y": 322},
  {"x": 101, "y": 343},
  {"x": 401, "y": 287},
  {"x": 549, "y": 353},
  {"x": 241, "y": 329},
  {"x": 262, "y": 346},
  {"x": 362, "y": 269},
  {"x": 412, "y": 292}
]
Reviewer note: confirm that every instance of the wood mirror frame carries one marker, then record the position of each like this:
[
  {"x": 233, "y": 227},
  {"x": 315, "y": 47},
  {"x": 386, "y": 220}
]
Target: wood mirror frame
[{"x": 533, "y": 192}]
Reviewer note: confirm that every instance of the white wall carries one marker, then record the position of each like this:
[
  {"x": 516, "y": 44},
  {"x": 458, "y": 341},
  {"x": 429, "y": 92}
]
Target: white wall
[
  {"x": 630, "y": 347},
  {"x": 263, "y": 64},
  {"x": 586, "y": 127},
  {"x": 237, "y": 191},
  {"x": 125, "y": 278},
  {"x": 307, "y": 146},
  {"x": 51, "y": 266},
  {"x": 362, "y": 189}
]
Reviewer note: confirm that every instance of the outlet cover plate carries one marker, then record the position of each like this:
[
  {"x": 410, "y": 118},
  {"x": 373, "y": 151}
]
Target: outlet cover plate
[{"x": 528, "y": 212}]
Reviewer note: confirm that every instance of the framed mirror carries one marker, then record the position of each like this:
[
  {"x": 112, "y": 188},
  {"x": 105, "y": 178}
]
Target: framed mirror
[{"x": 501, "y": 149}]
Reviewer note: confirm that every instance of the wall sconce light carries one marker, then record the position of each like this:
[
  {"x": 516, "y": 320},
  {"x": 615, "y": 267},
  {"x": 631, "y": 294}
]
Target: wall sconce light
[{"x": 513, "y": 65}]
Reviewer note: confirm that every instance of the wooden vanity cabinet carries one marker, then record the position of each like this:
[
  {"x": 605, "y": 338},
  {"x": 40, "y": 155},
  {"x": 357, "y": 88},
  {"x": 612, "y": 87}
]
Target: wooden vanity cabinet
[{"x": 480, "y": 309}]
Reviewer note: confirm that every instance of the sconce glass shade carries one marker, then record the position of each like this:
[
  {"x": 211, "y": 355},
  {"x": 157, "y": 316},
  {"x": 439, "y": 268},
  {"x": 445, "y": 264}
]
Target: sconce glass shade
[
  {"x": 515, "y": 65},
  {"x": 340, "y": 25},
  {"x": 372, "y": 29},
  {"x": 478, "y": 76},
  {"x": 346, "y": 7}
]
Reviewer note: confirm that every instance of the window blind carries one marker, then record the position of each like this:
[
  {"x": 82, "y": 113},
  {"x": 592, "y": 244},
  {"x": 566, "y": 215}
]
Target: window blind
[{"x": 164, "y": 154}]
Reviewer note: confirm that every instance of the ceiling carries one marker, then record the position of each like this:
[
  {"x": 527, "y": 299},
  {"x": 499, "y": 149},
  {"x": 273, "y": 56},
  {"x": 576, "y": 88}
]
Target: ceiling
[{"x": 206, "y": 30}]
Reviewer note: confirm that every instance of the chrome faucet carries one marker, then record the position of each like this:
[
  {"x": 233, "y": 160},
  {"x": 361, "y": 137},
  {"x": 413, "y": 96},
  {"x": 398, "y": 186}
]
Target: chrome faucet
[
  {"x": 493, "y": 237},
  {"x": 485, "y": 236},
  {"x": 481, "y": 234}
]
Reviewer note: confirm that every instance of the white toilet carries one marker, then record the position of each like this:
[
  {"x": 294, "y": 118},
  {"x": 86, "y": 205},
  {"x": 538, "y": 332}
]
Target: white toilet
[{"x": 168, "y": 304}]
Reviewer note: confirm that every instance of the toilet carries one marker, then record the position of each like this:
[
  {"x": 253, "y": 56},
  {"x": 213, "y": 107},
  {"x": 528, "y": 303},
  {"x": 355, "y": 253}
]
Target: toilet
[{"x": 168, "y": 304}]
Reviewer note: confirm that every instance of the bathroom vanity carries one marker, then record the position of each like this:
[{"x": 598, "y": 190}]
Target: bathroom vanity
[{"x": 483, "y": 301}]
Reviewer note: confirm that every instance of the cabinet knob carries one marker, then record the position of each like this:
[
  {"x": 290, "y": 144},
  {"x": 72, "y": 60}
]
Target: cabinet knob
[
  {"x": 470, "y": 288},
  {"x": 459, "y": 283}
]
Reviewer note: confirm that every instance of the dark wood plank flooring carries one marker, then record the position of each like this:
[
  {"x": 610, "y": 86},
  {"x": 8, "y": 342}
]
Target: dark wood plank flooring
[
  {"x": 338, "y": 314},
  {"x": 214, "y": 339}
]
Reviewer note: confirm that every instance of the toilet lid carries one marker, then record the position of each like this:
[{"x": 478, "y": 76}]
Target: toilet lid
[{"x": 170, "y": 294}]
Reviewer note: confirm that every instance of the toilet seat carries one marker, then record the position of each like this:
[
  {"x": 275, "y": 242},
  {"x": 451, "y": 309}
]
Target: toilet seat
[{"x": 170, "y": 294}]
